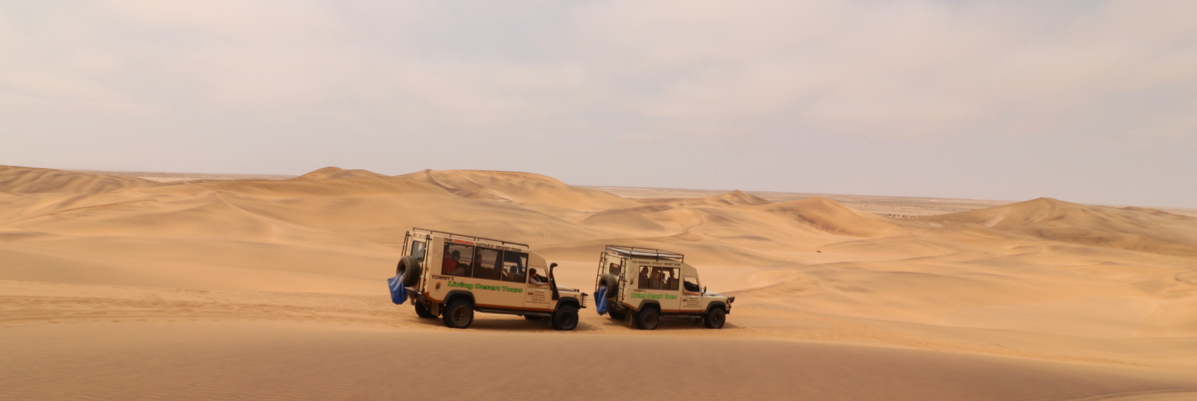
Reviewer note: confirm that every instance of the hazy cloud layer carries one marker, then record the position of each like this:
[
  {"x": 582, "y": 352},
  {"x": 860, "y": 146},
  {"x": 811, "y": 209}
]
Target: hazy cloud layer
[{"x": 1091, "y": 101}]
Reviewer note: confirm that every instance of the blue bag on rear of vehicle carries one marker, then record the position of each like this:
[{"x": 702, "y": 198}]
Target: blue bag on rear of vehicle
[
  {"x": 398, "y": 292},
  {"x": 600, "y": 300}
]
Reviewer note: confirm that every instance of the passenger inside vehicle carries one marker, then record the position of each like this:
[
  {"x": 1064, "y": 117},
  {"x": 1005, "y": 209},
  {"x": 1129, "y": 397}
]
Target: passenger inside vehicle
[
  {"x": 671, "y": 281},
  {"x": 457, "y": 261},
  {"x": 515, "y": 267},
  {"x": 536, "y": 279},
  {"x": 449, "y": 265}
]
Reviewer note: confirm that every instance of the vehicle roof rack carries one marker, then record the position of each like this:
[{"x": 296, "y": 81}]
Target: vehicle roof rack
[
  {"x": 645, "y": 253},
  {"x": 472, "y": 237}
]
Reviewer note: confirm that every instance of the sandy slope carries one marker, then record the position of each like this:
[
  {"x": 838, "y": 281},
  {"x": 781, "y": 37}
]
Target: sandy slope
[{"x": 135, "y": 285}]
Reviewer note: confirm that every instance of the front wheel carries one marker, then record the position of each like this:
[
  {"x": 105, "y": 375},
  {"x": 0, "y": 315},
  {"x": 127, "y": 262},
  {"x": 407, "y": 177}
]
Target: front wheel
[
  {"x": 565, "y": 318},
  {"x": 423, "y": 311},
  {"x": 648, "y": 318},
  {"x": 459, "y": 314},
  {"x": 715, "y": 318}
]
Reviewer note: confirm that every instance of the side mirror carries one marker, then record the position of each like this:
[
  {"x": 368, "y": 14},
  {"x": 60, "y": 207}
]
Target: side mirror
[
  {"x": 554, "y": 264},
  {"x": 704, "y": 289}
]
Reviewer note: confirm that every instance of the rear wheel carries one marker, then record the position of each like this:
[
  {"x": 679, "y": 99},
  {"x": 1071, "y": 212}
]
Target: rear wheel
[
  {"x": 648, "y": 318},
  {"x": 423, "y": 311},
  {"x": 617, "y": 315},
  {"x": 565, "y": 318},
  {"x": 459, "y": 314},
  {"x": 715, "y": 318}
]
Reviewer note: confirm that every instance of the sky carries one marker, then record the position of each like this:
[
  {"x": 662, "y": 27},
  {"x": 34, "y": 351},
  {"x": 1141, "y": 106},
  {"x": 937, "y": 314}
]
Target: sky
[{"x": 1084, "y": 101}]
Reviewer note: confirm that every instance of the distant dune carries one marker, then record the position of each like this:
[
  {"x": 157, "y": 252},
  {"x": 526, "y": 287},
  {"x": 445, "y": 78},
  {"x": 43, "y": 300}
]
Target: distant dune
[{"x": 280, "y": 277}]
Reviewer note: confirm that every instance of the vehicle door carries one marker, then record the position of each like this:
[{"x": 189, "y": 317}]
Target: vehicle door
[
  {"x": 417, "y": 247},
  {"x": 536, "y": 296},
  {"x": 691, "y": 294}
]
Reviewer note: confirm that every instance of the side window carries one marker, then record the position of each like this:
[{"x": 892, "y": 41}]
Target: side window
[
  {"x": 457, "y": 260},
  {"x": 418, "y": 250},
  {"x": 486, "y": 264},
  {"x": 515, "y": 267},
  {"x": 659, "y": 278},
  {"x": 670, "y": 280},
  {"x": 691, "y": 285},
  {"x": 614, "y": 269}
]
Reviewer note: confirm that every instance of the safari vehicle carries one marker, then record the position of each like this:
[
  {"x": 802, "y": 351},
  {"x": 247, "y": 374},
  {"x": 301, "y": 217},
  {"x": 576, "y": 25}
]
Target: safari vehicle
[
  {"x": 453, "y": 275},
  {"x": 643, "y": 285}
]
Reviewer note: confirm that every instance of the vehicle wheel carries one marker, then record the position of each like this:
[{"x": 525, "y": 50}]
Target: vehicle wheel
[
  {"x": 423, "y": 311},
  {"x": 565, "y": 318},
  {"x": 715, "y": 318},
  {"x": 408, "y": 264},
  {"x": 459, "y": 314},
  {"x": 615, "y": 314},
  {"x": 612, "y": 284},
  {"x": 648, "y": 318}
]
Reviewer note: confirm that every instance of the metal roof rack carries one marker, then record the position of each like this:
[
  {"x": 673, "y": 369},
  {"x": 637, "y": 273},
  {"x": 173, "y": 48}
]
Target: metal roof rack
[
  {"x": 472, "y": 237},
  {"x": 645, "y": 253}
]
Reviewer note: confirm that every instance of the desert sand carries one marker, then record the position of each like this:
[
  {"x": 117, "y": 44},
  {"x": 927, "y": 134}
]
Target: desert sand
[{"x": 120, "y": 287}]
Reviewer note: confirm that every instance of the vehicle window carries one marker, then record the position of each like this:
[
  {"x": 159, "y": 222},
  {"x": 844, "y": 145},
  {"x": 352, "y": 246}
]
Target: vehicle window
[
  {"x": 457, "y": 260},
  {"x": 515, "y": 267},
  {"x": 614, "y": 269},
  {"x": 486, "y": 264},
  {"x": 691, "y": 284},
  {"x": 658, "y": 278},
  {"x": 418, "y": 250}
]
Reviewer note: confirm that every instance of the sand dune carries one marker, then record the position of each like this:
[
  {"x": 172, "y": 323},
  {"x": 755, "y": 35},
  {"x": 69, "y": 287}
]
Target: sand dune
[
  {"x": 1136, "y": 229},
  {"x": 837, "y": 302}
]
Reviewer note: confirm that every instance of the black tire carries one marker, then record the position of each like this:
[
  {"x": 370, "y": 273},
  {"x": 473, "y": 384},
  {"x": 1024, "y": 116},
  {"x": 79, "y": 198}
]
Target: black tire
[
  {"x": 423, "y": 311},
  {"x": 617, "y": 315},
  {"x": 408, "y": 264},
  {"x": 565, "y": 318},
  {"x": 715, "y": 318},
  {"x": 459, "y": 314},
  {"x": 612, "y": 284},
  {"x": 647, "y": 318}
]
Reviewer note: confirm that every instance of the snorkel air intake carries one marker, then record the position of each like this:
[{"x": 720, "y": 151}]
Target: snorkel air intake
[{"x": 553, "y": 282}]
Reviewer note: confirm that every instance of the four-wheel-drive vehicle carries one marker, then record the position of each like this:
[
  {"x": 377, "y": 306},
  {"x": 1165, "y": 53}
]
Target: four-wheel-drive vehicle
[
  {"x": 643, "y": 285},
  {"x": 453, "y": 275}
]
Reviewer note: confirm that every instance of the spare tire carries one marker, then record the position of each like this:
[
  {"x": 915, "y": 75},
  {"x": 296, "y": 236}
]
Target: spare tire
[
  {"x": 612, "y": 284},
  {"x": 409, "y": 265}
]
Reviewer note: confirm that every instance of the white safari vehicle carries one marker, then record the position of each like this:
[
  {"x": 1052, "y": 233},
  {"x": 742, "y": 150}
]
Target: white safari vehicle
[
  {"x": 454, "y": 275},
  {"x": 642, "y": 285}
]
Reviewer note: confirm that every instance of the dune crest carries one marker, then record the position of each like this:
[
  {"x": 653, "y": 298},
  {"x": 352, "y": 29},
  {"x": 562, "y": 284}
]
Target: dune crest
[
  {"x": 1134, "y": 229},
  {"x": 832, "y": 217},
  {"x": 519, "y": 187},
  {"x": 29, "y": 180},
  {"x": 336, "y": 173}
]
